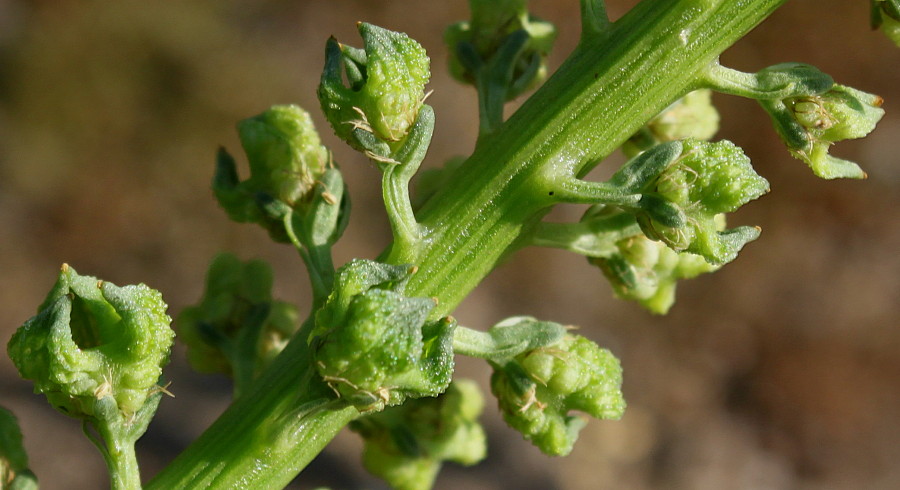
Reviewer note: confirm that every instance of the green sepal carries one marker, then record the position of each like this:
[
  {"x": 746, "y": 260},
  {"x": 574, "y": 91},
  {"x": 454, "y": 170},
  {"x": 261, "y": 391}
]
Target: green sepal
[
  {"x": 387, "y": 88},
  {"x": 707, "y": 180},
  {"x": 793, "y": 80},
  {"x": 647, "y": 271},
  {"x": 503, "y": 39},
  {"x": 641, "y": 170},
  {"x": 14, "y": 472},
  {"x": 237, "y": 328},
  {"x": 538, "y": 390},
  {"x": 407, "y": 445},
  {"x": 287, "y": 163},
  {"x": 328, "y": 212},
  {"x": 91, "y": 340},
  {"x": 809, "y": 125},
  {"x": 373, "y": 345}
]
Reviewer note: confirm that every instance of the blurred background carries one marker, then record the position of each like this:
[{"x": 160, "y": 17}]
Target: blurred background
[{"x": 778, "y": 372}]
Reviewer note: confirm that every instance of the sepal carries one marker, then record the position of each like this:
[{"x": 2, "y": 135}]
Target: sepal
[
  {"x": 387, "y": 80},
  {"x": 707, "y": 180},
  {"x": 376, "y": 347},
  {"x": 809, "y": 125},
  {"x": 93, "y": 340},
  {"x": 538, "y": 390}
]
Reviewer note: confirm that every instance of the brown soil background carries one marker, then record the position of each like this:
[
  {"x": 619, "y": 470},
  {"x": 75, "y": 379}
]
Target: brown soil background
[{"x": 778, "y": 372}]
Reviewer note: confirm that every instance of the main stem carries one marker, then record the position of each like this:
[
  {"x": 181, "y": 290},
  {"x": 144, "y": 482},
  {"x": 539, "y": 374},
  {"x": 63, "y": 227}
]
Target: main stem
[{"x": 608, "y": 88}]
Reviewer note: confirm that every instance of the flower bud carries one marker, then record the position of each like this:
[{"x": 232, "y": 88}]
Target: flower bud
[
  {"x": 388, "y": 78},
  {"x": 809, "y": 125},
  {"x": 287, "y": 161},
  {"x": 374, "y": 347},
  {"x": 237, "y": 323},
  {"x": 708, "y": 179},
  {"x": 648, "y": 271},
  {"x": 478, "y": 43},
  {"x": 692, "y": 116},
  {"x": 538, "y": 389},
  {"x": 284, "y": 152},
  {"x": 92, "y": 340}
]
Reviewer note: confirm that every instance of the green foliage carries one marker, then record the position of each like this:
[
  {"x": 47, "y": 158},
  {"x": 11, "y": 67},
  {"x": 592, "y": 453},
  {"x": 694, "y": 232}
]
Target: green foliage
[
  {"x": 538, "y": 389},
  {"x": 237, "y": 328},
  {"x": 377, "y": 334},
  {"x": 406, "y": 445}
]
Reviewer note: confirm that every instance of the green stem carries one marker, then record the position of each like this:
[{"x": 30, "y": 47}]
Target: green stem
[
  {"x": 124, "y": 473},
  {"x": 318, "y": 261},
  {"x": 118, "y": 453},
  {"x": 594, "y": 20},
  {"x": 592, "y": 237},
  {"x": 406, "y": 230},
  {"x": 778, "y": 82},
  {"x": 577, "y": 191},
  {"x": 267, "y": 435},
  {"x": 474, "y": 343},
  {"x": 607, "y": 89},
  {"x": 493, "y": 79}
]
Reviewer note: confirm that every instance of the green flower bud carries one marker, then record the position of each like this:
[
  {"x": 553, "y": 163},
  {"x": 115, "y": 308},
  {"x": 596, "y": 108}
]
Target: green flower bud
[
  {"x": 809, "y": 125},
  {"x": 708, "y": 179},
  {"x": 287, "y": 164},
  {"x": 886, "y": 15},
  {"x": 14, "y": 472},
  {"x": 96, "y": 351},
  {"x": 538, "y": 389},
  {"x": 374, "y": 346},
  {"x": 92, "y": 340},
  {"x": 237, "y": 328},
  {"x": 406, "y": 445},
  {"x": 692, "y": 116},
  {"x": 480, "y": 43},
  {"x": 387, "y": 81},
  {"x": 648, "y": 271},
  {"x": 284, "y": 153}
]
